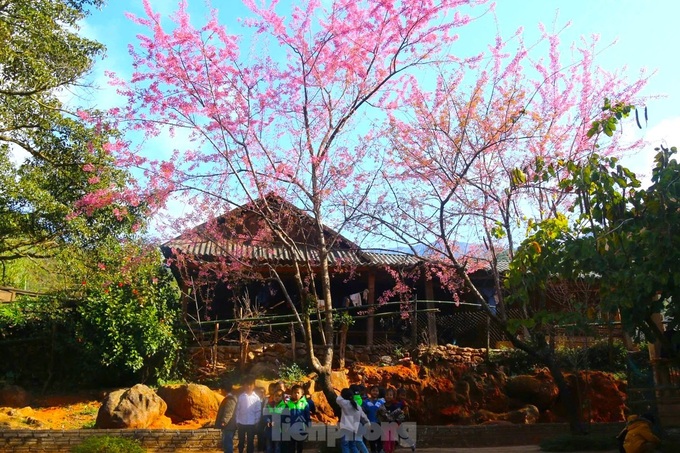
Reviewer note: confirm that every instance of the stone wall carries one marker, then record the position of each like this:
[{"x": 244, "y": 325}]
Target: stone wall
[
  {"x": 207, "y": 440},
  {"x": 282, "y": 354}
]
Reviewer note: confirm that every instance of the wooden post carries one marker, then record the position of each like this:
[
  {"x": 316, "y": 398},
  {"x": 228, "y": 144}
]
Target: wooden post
[
  {"x": 431, "y": 320},
  {"x": 216, "y": 338},
  {"x": 370, "y": 322},
  {"x": 292, "y": 340},
  {"x": 343, "y": 346},
  {"x": 185, "y": 303},
  {"x": 414, "y": 324}
]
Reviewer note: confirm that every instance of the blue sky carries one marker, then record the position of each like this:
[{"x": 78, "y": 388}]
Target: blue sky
[
  {"x": 642, "y": 33},
  {"x": 634, "y": 35}
]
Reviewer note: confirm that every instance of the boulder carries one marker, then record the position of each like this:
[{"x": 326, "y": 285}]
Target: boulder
[
  {"x": 268, "y": 370},
  {"x": 324, "y": 411},
  {"x": 539, "y": 390},
  {"x": 14, "y": 396},
  {"x": 607, "y": 396},
  {"x": 525, "y": 416},
  {"x": 136, "y": 407},
  {"x": 190, "y": 401}
]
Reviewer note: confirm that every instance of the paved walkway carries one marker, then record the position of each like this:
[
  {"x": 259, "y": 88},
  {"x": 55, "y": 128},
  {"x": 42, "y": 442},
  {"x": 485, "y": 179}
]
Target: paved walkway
[
  {"x": 519, "y": 449},
  {"x": 516, "y": 449}
]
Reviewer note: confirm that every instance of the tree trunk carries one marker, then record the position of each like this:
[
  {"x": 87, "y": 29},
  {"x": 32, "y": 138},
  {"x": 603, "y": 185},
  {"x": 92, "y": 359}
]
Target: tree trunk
[
  {"x": 343, "y": 346},
  {"x": 568, "y": 398},
  {"x": 243, "y": 354},
  {"x": 324, "y": 381}
]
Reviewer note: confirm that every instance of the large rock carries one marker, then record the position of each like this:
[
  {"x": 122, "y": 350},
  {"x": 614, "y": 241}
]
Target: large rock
[
  {"x": 527, "y": 415},
  {"x": 539, "y": 390},
  {"x": 268, "y": 370},
  {"x": 136, "y": 407},
  {"x": 602, "y": 397},
  {"x": 190, "y": 401},
  {"x": 324, "y": 411},
  {"x": 14, "y": 396},
  {"x": 606, "y": 394}
]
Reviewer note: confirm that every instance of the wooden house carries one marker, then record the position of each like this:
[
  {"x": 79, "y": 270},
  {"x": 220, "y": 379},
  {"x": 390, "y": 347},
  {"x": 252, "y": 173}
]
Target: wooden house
[{"x": 235, "y": 256}]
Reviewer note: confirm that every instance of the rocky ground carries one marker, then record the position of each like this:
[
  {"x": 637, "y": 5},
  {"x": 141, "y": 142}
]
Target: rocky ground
[
  {"x": 69, "y": 411},
  {"x": 438, "y": 396}
]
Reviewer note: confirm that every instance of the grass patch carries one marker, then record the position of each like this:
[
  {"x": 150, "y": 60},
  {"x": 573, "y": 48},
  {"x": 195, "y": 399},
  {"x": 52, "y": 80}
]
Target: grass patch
[
  {"x": 595, "y": 442},
  {"x": 108, "y": 444},
  {"x": 90, "y": 410}
]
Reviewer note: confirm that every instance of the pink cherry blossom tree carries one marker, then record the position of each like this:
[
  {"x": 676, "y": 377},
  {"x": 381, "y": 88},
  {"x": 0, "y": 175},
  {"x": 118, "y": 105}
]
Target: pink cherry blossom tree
[
  {"x": 297, "y": 116},
  {"x": 475, "y": 161},
  {"x": 362, "y": 115}
]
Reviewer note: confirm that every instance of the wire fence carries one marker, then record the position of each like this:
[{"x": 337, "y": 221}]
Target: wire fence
[{"x": 394, "y": 324}]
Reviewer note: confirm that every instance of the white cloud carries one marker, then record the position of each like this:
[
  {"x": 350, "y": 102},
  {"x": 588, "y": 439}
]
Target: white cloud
[{"x": 666, "y": 133}]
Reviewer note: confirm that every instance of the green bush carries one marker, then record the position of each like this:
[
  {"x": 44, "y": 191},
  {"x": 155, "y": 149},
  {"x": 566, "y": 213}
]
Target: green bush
[
  {"x": 129, "y": 327},
  {"x": 513, "y": 361},
  {"x": 119, "y": 327},
  {"x": 599, "y": 356},
  {"x": 590, "y": 442},
  {"x": 603, "y": 357},
  {"x": 292, "y": 374},
  {"x": 108, "y": 444}
]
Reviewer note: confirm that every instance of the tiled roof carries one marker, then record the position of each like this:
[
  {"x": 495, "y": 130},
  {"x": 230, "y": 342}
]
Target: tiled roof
[
  {"x": 206, "y": 243},
  {"x": 281, "y": 255}
]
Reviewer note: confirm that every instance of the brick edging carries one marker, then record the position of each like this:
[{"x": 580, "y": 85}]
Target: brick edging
[{"x": 208, "y": 440}]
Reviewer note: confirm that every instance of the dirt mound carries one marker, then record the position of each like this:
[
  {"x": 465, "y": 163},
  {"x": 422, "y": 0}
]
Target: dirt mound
[{"x": 440, "y": 396}]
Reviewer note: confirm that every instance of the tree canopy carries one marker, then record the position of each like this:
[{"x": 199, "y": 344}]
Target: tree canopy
[
  {"x": 53, "y": 165},
  {"x": 363, "y": 116},
  {"x": 622, "y": 244}
]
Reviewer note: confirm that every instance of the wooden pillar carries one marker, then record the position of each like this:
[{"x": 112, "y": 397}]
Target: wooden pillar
[
  {"x": 184, "y": 291},
  {"x": 370, "y": 321},
  {"x": 414, "y": 324},
  {"x": 431, "y": 320}
]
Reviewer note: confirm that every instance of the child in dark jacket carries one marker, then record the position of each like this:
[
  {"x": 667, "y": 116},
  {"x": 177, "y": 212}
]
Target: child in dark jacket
[
  {"x": 390, "y": 414},
  {"x": 404, "y": 436},
  {"x": 272, "y": 416},
  {"x": 226, "y": 419}
]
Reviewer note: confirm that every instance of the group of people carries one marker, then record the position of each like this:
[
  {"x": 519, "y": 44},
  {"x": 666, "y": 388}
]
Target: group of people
[
  {"x": 252, "y": 415},
  {"x": 386, "y": 409},
  {"x": 280, "y": 420}
]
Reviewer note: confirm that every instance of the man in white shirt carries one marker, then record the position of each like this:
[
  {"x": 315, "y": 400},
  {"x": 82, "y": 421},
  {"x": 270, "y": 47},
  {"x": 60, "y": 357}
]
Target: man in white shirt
[{"x": 248, "y": 413}]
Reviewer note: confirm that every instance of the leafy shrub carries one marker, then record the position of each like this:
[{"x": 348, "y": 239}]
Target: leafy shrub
[
  {"x": 108, "y": 444},
  {"x": 590, "y": 442},
  {"x": 603, "y": 357},
  {"x": 514, "y": 361},
  {"x": 120, "y": 326},
  {"x": 292, "y": 373},
  {"x": 599, "y": 356},
  {"x": 128, "y": 327}
]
